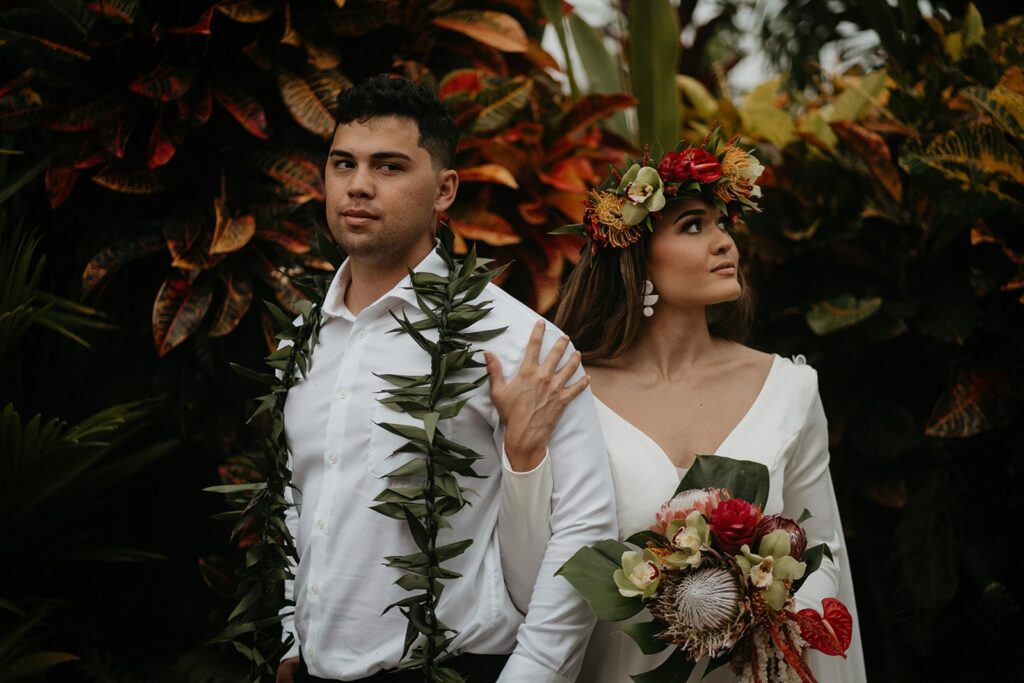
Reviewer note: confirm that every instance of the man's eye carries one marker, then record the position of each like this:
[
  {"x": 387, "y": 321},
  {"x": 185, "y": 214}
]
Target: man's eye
[{"x": 391, "y": 167}]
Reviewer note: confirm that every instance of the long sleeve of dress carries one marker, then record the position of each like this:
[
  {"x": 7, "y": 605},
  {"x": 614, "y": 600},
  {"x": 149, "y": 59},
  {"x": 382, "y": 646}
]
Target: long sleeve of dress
[
  {"x": 808, "y": 485},
  {"x": 524, "y": 527}
]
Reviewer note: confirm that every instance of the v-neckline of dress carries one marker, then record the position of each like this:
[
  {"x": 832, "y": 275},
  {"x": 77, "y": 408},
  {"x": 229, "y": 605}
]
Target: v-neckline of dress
[{"x": 654, "y": 444}]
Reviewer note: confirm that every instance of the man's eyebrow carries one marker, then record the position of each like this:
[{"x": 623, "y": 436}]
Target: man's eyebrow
[
  {"x": 376, "y": 156},
  {"x": 691, "y": 212}
]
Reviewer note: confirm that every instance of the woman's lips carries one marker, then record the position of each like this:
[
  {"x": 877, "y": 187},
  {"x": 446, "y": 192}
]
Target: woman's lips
[{"x": 725, "y": 270}]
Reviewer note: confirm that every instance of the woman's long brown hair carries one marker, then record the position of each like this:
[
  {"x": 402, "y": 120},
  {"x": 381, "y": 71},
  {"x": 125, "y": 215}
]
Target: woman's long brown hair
[{"x": 601, "y": 305}]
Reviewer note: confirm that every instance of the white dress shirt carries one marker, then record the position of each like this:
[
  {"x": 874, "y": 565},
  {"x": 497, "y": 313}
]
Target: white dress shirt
[
  {"x": 339, "y": 461},
  {"x": 785, "y": 429}
]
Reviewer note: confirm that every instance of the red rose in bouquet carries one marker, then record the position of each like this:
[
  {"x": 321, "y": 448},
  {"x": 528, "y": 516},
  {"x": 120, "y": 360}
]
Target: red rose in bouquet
[
  {"x": 690, "y": 165},
  {"x": 734, "y": 524}
]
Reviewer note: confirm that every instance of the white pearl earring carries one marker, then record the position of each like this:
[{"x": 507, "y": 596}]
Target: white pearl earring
[{"x": 649, "y": 299}]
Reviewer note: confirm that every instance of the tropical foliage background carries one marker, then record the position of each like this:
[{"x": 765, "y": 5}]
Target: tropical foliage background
[{"x": 160, "y": 175}]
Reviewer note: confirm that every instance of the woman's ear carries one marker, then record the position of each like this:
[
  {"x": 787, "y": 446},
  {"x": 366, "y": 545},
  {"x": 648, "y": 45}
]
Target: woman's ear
[{"x": 447, "y": 187}]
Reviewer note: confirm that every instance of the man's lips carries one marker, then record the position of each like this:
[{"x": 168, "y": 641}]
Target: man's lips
[{"x": 358, "y": 216}]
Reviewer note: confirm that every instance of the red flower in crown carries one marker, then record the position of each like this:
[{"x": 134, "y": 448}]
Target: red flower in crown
[
  {"x": 733, "y": 524},
  {"x": 690, "y": 165}
]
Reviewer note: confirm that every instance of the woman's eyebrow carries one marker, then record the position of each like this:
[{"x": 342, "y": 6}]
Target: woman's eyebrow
[{"x": 691, "y": 212}]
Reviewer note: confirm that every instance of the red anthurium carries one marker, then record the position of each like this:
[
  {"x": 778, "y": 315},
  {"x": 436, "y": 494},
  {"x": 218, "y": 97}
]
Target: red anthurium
[{"x": 830, "y": 634}]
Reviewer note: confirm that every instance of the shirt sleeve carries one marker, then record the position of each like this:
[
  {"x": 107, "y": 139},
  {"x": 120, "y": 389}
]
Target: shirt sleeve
[
  {"x": 524, "y": 526},
  {"x": 552, "y": 639},
  {"x": 808, "y": 485}
]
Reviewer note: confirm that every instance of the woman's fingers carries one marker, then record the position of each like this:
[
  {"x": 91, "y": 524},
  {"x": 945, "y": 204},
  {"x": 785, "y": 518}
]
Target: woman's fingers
[
  {"x": 566, "y": 372},
  {"x": 494, "y": 371},
  {"x": 531, "y": 358},
  {"x": 574, "y": 390},
  {"x": 555, "y": 355}
]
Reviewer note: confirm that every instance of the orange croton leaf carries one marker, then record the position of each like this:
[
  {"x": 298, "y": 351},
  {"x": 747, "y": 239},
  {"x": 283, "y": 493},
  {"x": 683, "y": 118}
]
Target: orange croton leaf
[
  {"x": 872, "y": 148},
  {"x": 488, "y": 173},
  {"x": 179, "y": 309},
  {"x": 236, "y": 303},
  {"x": 495, "y": 29},
  {"x": 475, "y": 223},
  {"x": 574, "y": 174},
  {"x": 971, "y": 405},
  {"x": 230, "y": 233}
]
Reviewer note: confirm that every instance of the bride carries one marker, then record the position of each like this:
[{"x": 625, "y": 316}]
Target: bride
[{"x": 658, "y": 309}]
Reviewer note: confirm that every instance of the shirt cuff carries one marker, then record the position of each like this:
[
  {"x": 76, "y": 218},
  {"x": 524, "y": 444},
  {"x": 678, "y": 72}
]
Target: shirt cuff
[
  {"x": 522, "y": 669},
  {"x": 507, "y": 465}
]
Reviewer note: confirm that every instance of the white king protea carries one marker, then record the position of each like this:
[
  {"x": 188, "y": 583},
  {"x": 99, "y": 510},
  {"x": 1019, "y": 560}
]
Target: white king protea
[{"x": 705, "y": 608}]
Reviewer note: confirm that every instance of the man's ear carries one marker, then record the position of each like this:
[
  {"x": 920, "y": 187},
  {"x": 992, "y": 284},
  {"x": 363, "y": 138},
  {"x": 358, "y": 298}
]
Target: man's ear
[{"x": 447, "y": 187}]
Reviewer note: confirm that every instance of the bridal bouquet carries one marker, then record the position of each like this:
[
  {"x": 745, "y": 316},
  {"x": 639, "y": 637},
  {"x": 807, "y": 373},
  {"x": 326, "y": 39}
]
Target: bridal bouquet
[{"x": 718, "y": 578}]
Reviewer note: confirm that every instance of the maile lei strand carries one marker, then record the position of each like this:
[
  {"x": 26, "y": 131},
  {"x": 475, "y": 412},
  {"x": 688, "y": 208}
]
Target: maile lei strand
[{"x": 449, "y": 306}]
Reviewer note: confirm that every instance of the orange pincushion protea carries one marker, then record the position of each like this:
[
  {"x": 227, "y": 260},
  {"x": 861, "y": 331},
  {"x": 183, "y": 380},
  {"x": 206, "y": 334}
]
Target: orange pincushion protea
[{"x": 604, "y": 223}]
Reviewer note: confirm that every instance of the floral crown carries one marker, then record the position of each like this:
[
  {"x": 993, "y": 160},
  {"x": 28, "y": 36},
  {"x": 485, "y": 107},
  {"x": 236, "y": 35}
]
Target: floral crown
[{"x": 620, "y": 209}]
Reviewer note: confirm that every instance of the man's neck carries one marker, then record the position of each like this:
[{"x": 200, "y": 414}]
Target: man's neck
[{"x": 372, "y": 279}]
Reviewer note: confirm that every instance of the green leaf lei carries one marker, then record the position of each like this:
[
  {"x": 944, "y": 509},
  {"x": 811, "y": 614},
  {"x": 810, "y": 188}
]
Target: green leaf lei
[{"x": 449, "y": 307}]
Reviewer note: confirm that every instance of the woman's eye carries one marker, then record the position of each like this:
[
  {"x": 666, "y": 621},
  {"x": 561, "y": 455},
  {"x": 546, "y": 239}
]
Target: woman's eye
[
  {"x": 691, "y": 228},
  {"x": 724, "y": 223}
]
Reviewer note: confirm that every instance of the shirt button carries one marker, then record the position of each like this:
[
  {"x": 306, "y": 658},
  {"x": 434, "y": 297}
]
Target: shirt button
[
  {"x": 320, "y": 524},
  {"x": 314, "y": 589},
  {"x": 333, "y": 458},
  {"x": 309, "y": 652},
  {"x": 343, "y": 393},
  {"x": 362, "y": 334}
]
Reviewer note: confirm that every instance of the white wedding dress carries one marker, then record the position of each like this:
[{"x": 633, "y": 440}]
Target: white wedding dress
[{"x": 785, "y": 429}]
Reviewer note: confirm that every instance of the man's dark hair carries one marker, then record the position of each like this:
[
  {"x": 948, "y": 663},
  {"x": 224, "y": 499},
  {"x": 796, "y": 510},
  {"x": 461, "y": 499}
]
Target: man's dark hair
[{"x": 385, "y": 95}]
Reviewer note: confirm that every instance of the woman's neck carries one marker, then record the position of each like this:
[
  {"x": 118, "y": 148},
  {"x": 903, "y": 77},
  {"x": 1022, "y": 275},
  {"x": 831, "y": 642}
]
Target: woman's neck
[{"x": 671, "y": 343}]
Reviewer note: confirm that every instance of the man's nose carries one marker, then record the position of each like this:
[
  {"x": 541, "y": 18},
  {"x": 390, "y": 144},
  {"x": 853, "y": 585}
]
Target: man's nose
[{"x": 360, "y": 183}]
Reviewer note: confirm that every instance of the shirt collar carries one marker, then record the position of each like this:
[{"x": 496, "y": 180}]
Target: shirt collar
[{"x": 334, "y": 302}]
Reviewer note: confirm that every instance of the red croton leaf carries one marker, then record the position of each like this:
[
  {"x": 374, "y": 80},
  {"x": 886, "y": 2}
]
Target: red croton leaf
[
  {"x": 287, "y": 234},
  {"x": 164, "y": 83},
  {"x": 114, "y": 137},
  {"x": 201, "y": 27},
  {"x": 461, "y": 81},
  {"x": 161, "y": 142},
  {"x": 60, "y": 180},
  {"x": 830, "y": 633},
  {"x": 179, "y": 308},
  {"x": 139, "y": 243},
  {"x": 245, "y": 109},
  {"x": 247, "y": 11},
  {"x": 872, "y": 148}
]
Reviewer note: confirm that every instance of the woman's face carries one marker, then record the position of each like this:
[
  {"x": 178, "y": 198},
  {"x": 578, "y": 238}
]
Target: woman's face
[{"x": 693, "y": 259}]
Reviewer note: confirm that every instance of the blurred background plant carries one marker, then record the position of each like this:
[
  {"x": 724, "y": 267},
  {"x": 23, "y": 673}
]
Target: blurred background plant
[{"x": 168, "y": 156}]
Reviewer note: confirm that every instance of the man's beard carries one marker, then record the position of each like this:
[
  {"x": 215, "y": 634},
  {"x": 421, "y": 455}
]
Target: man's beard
[{"x": 384, "y": 248}]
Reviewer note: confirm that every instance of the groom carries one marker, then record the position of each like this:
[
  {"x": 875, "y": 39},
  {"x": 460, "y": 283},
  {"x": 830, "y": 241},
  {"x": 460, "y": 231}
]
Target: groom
[{"x": 388, "y": 176}]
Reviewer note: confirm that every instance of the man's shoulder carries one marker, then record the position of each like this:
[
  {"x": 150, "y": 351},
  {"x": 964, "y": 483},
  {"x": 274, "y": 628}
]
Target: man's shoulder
[{"x": 511, "y": 311}]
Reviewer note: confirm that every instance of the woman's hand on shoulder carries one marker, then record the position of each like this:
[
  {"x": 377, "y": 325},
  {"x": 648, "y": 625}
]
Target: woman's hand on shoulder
[{"x": 531, "y": 403}]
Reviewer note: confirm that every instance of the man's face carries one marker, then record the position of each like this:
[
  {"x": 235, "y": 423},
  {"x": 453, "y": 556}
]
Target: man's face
[{"x": 383, "y": 191}]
